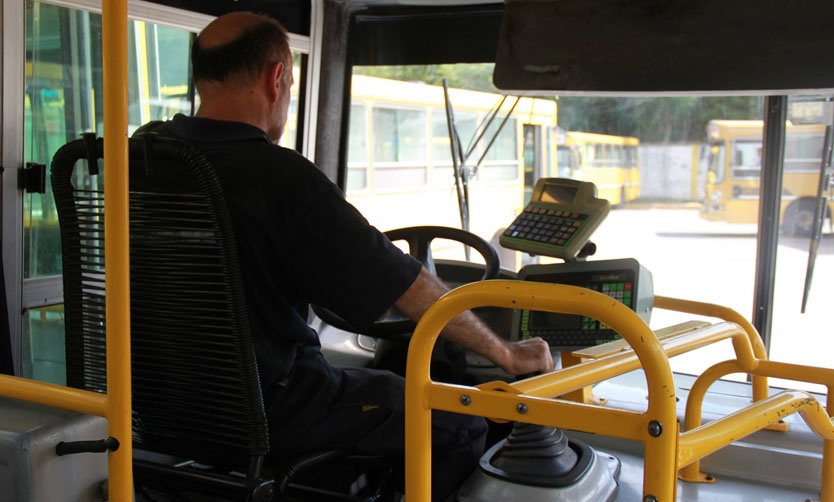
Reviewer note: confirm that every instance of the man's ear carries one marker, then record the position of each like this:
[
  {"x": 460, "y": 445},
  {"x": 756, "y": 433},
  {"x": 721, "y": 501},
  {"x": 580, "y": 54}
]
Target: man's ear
[{"x": 275, "y": 80}]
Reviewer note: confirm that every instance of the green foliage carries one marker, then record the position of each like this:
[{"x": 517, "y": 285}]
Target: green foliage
[
  {"x": 654, "y": 119},
  {"x": 475, "y": 76}
]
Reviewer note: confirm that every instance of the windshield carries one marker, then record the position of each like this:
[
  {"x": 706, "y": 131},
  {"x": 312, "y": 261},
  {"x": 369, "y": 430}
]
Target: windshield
[{"x": 649, "y": 156}]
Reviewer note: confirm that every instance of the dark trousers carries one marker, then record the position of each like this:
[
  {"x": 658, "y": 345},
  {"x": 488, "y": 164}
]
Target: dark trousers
[{"x": 367, "y": 416}]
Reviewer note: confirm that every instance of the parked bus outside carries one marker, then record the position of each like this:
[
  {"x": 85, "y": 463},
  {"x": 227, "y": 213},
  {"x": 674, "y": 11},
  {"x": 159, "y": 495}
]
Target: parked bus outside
[
  {"x": 400, "y": 169},
  {"x": 731, "y": 192},
  {"x": 610, "y": 162}
]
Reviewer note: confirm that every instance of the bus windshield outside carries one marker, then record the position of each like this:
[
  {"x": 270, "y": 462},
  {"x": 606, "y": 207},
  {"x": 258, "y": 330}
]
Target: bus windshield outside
[
  {"x": 400, "y": 168},
  {"x": 731, "y": 192}
]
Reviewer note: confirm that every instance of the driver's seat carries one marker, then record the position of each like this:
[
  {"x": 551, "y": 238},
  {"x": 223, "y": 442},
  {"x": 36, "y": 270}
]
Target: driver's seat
[{"x": 196, "y": 394}]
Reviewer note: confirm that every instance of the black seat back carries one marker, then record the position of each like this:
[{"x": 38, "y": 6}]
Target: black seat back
[{"x": 195, "y": 384}]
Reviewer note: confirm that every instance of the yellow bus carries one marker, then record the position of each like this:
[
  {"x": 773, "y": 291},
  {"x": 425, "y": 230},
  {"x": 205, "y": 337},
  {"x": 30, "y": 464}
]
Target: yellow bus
[
  {"x": 400, "y": 169},
  {"x": 731, "y": 192},
  {"x": 611, "y": 162}
]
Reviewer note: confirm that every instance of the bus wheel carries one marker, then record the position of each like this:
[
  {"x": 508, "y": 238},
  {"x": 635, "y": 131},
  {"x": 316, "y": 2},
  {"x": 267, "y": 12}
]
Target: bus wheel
[{"x": 799, "y": 218}]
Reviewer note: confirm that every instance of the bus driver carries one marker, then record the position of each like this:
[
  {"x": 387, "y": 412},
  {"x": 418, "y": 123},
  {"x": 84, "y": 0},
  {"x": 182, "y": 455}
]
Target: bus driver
[{"x": 301, "y": 242}]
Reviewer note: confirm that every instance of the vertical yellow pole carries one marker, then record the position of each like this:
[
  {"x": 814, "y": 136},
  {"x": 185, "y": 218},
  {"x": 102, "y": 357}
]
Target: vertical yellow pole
[
  {"x": 418, "y": 416},
  {"x": 116, "y": 253},
  {"x": 827, "y": 482}
]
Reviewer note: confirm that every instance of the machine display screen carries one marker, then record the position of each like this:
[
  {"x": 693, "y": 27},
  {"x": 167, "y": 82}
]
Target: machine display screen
[
  {"x": 559, "y": 194},
  {"x": 564, "y": 331}
]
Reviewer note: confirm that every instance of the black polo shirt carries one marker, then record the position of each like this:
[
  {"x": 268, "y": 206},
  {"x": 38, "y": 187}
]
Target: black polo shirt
[{"x": 300, "y": 242}]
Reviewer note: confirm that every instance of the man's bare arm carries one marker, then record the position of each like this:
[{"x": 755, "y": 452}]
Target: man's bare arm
[{"x": 516, "y": 358}]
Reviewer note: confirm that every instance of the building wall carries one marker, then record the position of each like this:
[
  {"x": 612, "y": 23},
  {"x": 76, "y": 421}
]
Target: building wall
[{"x": 673, "y": 172}]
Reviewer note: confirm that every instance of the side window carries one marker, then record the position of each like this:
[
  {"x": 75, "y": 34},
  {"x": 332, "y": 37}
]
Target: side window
[
  {"x": 466, "y": 124},
  {"x": 803, "y": 152},
  {"x": 747, "y": 158},
  {"x": 501, "y": 162},
  {"x": 63, "y": 99},
  {"x": 441, "y": 150},
  {"x": 399, "y": 147}
]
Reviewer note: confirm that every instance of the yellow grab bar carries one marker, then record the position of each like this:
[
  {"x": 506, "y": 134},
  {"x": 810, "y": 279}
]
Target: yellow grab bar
[
  {"x": 115, "y": 405},
  {"x": 117, "y": 245},
  {"x": 81, "y": 401},
  {"x": 712, "y": 310},
  {"x": 531, "y": 400},
  {"x": 658, "y": 428}
]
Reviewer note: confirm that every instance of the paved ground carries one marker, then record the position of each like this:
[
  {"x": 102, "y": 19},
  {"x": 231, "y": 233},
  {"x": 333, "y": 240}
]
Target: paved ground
[{"x": 696, "y": 259}]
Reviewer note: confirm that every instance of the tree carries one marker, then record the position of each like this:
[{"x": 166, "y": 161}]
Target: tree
[{"x": 654, "y": 119}]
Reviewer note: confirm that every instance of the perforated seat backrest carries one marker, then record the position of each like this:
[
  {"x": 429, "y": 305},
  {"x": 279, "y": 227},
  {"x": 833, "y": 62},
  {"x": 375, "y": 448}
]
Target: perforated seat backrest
[{"x": 195, "y": 385}]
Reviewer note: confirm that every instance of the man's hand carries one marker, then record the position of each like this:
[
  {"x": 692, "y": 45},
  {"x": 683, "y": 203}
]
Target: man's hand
[
  {"x": 527, "y": 356},
  {"x": 516, "y": 358}
]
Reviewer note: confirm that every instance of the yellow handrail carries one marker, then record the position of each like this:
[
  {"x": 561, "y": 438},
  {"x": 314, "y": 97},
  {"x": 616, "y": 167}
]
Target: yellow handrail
[
  {"x": 82, "y": 401},
  {"x": 115, "y": 405},
  {"x": 712, "y": 310},
  {"x": 531, "y": 400},
  {"x": 117, "y": 245},
  {"x": 575, "y": 377},
  {"x": 659, "y": 435}
]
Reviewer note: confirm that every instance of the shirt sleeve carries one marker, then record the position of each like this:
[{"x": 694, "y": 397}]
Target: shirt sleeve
[{"x": 349, "y": 266}]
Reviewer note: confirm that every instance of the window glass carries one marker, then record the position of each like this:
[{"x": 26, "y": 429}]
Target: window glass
[
  {"x": 505, "y": 144},
  {"x": 804, "y": 264},
  {"x": 747, "y": 158},
  {"x": 408, "y": 132},
  {"x": 399, "y": 146},
  {"x": 682, "y": 173},
  {"x": 399, "y": 135},
  {"x": 358, "y": 148},
  {"x": 498, "y": 172},
  {"x": 63, "y": 99},
  {"x": 803, "y": 151},
  {"x": 43, "y": 354},
  {"x": 466, "y": 124}
]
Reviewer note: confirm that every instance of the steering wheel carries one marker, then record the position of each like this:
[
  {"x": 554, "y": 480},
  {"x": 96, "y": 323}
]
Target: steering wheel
[{"x": 394, "y": 325}]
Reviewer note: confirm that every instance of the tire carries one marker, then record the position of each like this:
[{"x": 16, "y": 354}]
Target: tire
[{"x": 799, "y": 218}]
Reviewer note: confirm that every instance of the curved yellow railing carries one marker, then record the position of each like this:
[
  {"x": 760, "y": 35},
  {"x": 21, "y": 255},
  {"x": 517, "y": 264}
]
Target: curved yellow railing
[
  {"x": 656, "y": 428},
  {"x": 711, "y": 310},
  {"x": 533, "y": 400}
]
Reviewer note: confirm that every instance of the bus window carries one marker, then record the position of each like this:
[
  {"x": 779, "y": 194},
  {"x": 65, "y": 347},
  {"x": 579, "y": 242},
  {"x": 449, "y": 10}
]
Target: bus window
[
  {"x": 399, "y": 147},
  {"x": 803, "y": 152},
  {"x": 466, "y": 123},
  {"x": 409, "y": 133},
  {"x": 566, "y": 160},
  {"x": 357, "y": 178},
  {"x": 747, "y": 158},
  {"x": 500, "y": 161},
  {"x": 63, "y": 99}
]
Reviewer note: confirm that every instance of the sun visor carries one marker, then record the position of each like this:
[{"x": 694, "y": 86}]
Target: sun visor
[{"x": 666, "y": 47}]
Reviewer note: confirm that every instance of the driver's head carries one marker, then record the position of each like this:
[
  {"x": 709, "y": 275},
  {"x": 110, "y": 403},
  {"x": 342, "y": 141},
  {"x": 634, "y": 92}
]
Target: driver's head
[
  {"x": 238, "y": 47},
  {"x": 242, "y": 55}
]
